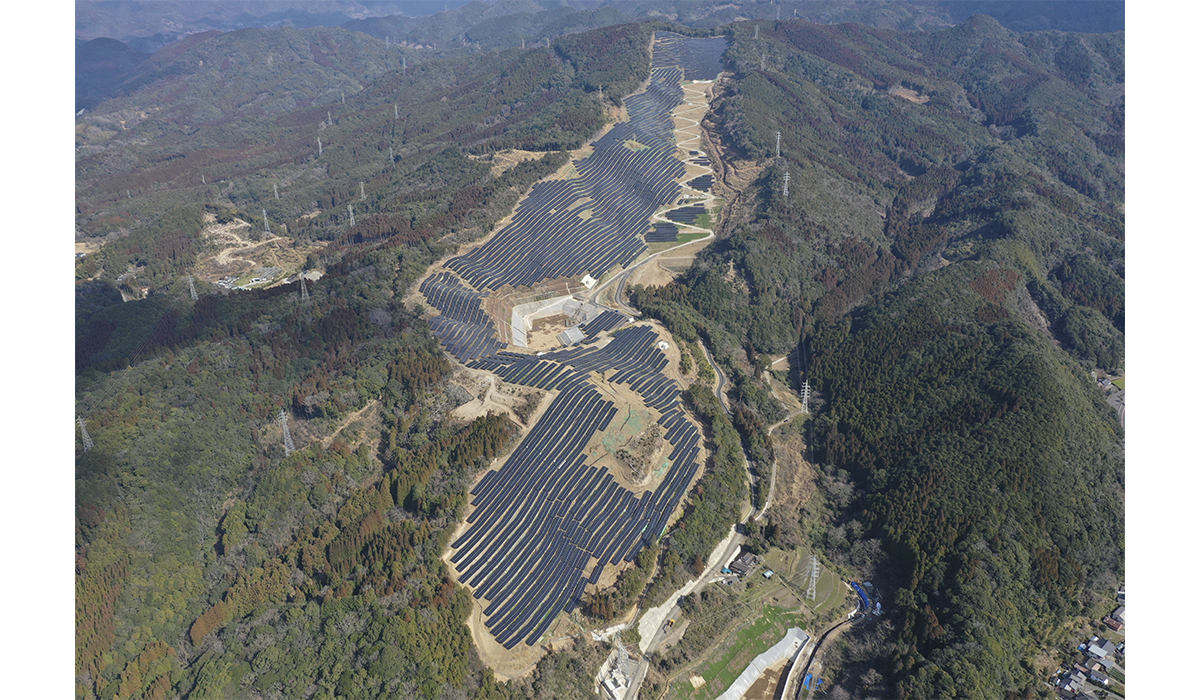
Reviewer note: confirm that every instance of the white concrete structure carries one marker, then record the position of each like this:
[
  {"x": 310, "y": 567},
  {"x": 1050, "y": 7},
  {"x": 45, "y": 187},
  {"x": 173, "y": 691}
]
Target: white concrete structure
[{"x": 787, "y": 648}]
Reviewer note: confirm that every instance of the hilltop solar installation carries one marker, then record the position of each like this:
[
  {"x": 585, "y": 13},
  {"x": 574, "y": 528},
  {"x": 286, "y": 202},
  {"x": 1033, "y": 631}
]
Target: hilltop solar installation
[
  {"x": 547, "y": 523},
  {"x": 567, "y": 228},
  {"x": 702, "y": 183},
  {"x": 699, "y": 58}
]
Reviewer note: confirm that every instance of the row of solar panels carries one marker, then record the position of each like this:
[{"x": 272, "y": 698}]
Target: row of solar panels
[{"x": 545, "y": 516}]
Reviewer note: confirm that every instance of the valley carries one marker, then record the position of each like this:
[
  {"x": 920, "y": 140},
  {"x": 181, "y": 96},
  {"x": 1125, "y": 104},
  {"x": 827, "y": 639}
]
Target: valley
[{"x": 615, "y": 360}]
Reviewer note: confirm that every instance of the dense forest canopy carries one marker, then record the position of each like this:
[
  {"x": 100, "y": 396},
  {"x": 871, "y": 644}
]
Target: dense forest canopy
[{"x": 946, "y": 268}]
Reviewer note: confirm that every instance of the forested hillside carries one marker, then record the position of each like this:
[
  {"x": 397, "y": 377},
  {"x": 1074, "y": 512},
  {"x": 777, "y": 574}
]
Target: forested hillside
[
  {"x": 950, "y": 260},
  {"x": 224, "y": 136},
  {"x": 209, "y": 561}
]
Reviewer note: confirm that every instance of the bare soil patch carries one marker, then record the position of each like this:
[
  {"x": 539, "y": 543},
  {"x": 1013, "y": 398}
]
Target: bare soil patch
[
  {"x": 243, "y": 252},
  {"x": 910, "y": 95}
]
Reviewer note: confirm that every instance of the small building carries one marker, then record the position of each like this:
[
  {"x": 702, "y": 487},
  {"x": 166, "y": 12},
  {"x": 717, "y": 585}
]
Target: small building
[
  {"x": 1098, "y": 677},
  {"x": 1073, "y": 681},
  {"x": 1101, "y": 648},
  {"x": 744, "y": 564},
  {"x": 1119, "y": 614},
  {"x": 571, "y": 336}
]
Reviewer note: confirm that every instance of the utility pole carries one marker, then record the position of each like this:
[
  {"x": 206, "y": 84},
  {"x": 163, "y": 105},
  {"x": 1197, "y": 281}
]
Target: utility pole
[
  {"x": 192, "y": 288},
  {"x": 351, "y": 208},
  {"x": 87, "y": 439},
  {"x": 266, "y": 222},
  {"x": 288, "y": 446}
]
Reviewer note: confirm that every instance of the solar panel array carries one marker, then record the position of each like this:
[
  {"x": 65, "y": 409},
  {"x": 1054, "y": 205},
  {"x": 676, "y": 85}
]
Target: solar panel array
[
  {"x": 604, "y": 322},
  {"x": 566, "y": 228},
  {"x": 546, "y": 523},
  {"x": 462, "y": 326},
  {"x": 685, "y": 215},
  {"x": 699, "y": 58},
  {"x": 663, "y": 233}
]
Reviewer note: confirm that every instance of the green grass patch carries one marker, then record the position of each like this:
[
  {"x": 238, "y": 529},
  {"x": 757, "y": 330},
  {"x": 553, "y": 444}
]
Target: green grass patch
[
  {"x": 689, "y": 237},
  {"x": 1119, "y": 383},
  {"x": 830, "y": 592},
  {"x": 745, "y": 645}
]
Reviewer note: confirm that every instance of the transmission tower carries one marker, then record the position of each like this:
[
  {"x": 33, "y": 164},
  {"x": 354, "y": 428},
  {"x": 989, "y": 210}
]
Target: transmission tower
[
  {"x": 396, "y": 111},
  {"x": 362, "y": 192},
  {"x": 202, "y": 180},
  {"x": 351, "y": 208},
  {"x": 392, "y": 155},
  {"x": 814, "y": 572},
  {"x": 276, "y": 186},
  {"x": 804, "y": 390},
  {"x": 756, "y": 32},
  {"x": 266, "y": 222},
  {"x": 343, "y": 98},
  {"x": 622, "y": 657},
  {"x": 786, "y": 177},
  {"x": 303, "y": 290},
  {"x": 87, "y": 439},
  {"x": 762, "y": 62},
  {"x": 288, "y": 446},
  {"x": 329, "y": 117},
  {"x": 319, "y": 150},
  {"x": 777, "y": 137},
  {"x": 403, "y": 64},
  {"x": 192, "y": 288}
]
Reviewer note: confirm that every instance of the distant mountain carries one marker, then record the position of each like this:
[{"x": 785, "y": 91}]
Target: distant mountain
[
  {"x": 100, "y": 65},
  {"x": 150, "y": 25}
]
